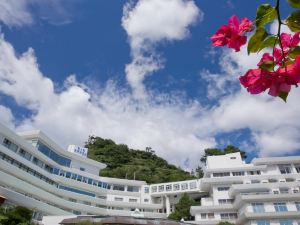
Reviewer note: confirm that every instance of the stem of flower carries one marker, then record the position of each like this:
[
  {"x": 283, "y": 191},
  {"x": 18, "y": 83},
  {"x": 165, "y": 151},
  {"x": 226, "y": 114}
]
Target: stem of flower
[{"x": 279, "y": 29}]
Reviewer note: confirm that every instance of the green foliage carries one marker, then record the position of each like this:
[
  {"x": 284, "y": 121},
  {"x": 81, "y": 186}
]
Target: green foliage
[
  {"x": 265, "y": 13},
  {"x": 269, "y": 42},
  {"x": 217, "y": 151},
  {"x": 293, "y": 21},
  {"x": 257, "y": 40},
  {"x": 294, "y": 3},
  {"x": 225, "y": 223},
  {"x": 15, "y": 216},
  {"x": 123, "y": 162},
  {"x": 182, "y": 208}
]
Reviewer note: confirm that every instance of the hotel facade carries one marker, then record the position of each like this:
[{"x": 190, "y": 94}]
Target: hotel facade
[{"x": 56, "y": 183}]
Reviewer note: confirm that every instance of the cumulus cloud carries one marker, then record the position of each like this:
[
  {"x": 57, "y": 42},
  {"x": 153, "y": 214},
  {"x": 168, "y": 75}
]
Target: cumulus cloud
[
  {"x": 149, "y": 23},
  {"x": 17, "y": 13},
  {"x": 69, "y": 115},
  {"x": 274, "y": 125}
]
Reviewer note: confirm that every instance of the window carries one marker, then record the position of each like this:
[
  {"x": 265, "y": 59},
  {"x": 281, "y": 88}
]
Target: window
[
  {"x": 238, "y": 173},
  {"x": 169, "y": 187},
  {"x": 146, "y": 189},
  {"x": 232, "y": 157},
  {"x": 118, "y": 199},
  {"x": 255, "y": 181},
  {"x": 255, "y": 172},
  {"x": 37, "y": 162},
  {"x": 133, "y": 189},
  {"x": 285, "y": 169},
  {"x": 184, "y": 186},
  {"x": 133, "y": 200},
  {"x": 225, "y": 201},
  {"x": 61, "y": 160},
  {"x": 258, "y": 207},
  {"x": 211, "y": 215},
  {"x": 297, "y": 167},
  {"x": 154, "y": 189},
  {"x": 297, "y": 206},
  {"x": 146, "y": 199},
  {"x": 161, "y": 188},
  {"x": 7, "y": 143},
  {"x": 118, "y": 187},
  {"x": 226, "y": 216},
  {"x": 176, "y": 187},
  {"x": 82, "y": 169},
  {"x": 263, "y": 222},
  {"x": 193, "y": 185},
  {"x": 223, "y": 188},
  {"x": 203, "y": 215},
  {"x": 25, "y": 154},
  {"x": 77, "y": 191},
  {"x": 280, "y": 207},
  {"x": 226, "y": 174},
  {"x": 285, "y": 222}
]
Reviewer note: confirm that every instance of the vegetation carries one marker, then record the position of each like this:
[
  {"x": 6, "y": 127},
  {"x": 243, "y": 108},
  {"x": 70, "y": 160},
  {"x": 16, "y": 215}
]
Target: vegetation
[
  {"x": 216, "y": 151},
  {"x": 182, "y": 208},
  {"x": 123, "y": 162},
  {"x": 15, "y": 216},
  {"x": 225, "y": 223}
]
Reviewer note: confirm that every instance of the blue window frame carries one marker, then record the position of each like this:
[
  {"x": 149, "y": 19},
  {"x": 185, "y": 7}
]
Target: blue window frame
[
  {"x": 61, "y": 160},
  {"x": 286, "y": 222},
  {"x": 280, "y": 207},
  {"x": 263, "y": 222},
  {"x": 258, "y": 207},
  {"x": 297, "y": 206},
  {"x": 77, "y": 191}
]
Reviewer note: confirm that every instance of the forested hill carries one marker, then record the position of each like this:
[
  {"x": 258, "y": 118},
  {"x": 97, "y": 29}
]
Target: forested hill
[{"x": 123, "y": 162}]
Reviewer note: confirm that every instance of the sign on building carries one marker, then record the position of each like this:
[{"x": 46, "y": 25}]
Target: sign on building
[{"x": 78, "y": 150}]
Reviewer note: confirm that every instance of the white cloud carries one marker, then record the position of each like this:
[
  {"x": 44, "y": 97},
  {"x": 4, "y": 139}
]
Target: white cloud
[
  {"x": 169, "y": 125},
  {"x": 274, "y": 125},
  {"x": 6, "y": 116},
  {"x": 149, "y": 23},
  {"x": 17, "y": 13}
]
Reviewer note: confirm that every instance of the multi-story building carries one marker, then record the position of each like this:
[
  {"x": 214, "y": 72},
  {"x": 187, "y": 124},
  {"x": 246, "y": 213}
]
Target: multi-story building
[
  {"x": 35, "y": 172},
  {"x": 263, "y": 192}
]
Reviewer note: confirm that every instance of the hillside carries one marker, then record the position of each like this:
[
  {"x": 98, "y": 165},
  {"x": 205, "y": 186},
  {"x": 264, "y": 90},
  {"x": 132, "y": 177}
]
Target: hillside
[{"x": 123, "y": 162}]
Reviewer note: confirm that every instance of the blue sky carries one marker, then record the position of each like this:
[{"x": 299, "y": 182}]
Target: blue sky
[{"x": 142, "y": 73}]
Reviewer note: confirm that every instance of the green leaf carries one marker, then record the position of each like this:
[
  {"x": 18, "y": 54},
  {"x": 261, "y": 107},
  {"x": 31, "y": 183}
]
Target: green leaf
[
  {"x": 267, "y": 65},
  {"x": 294, "y": 52},
  {"x": 293, "y": 21},
  {"x": 256, "y": 40},
  {"x": 294, "y": 3},
  {"x": 265, "y": 13},
  {"x": 269, "y": 42},
  {"x": 283, "y": 95}
]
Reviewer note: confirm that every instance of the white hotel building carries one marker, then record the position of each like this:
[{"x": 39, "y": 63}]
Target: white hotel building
[{"x": 35, "y": 172}]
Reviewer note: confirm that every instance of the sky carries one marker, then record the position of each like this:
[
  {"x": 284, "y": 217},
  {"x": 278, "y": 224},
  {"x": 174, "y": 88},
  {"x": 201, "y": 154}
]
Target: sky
[{"x": 142, "y": 73}]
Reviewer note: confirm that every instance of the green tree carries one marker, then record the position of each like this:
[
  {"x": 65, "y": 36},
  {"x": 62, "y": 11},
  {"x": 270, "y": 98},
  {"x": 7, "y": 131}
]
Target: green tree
[
  {"x": 217, "y": 151},
  {"x": 182, "y": 208},
  {"x": 123, "y": 162},
  {"x": 225, "y": 223},
  {"x": 18, "y": 215}
]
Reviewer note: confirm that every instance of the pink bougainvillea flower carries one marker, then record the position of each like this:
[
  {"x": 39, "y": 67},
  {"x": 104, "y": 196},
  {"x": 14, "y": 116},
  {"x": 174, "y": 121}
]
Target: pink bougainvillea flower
[
  {"x": 265, "y": 58},
  {"x": 288, "y": 41},
  {"x": 233, "y": 33},
  {"x": 256, "y": 80}
]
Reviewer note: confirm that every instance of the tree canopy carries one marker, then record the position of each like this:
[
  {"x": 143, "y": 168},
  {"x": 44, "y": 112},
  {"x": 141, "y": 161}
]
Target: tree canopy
[
  {"x": 217, "y": 151},
  {"x": 18, "y": 215},
  {"x": 123, "y": 162},
  {"x": 182, "y": 208}
]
